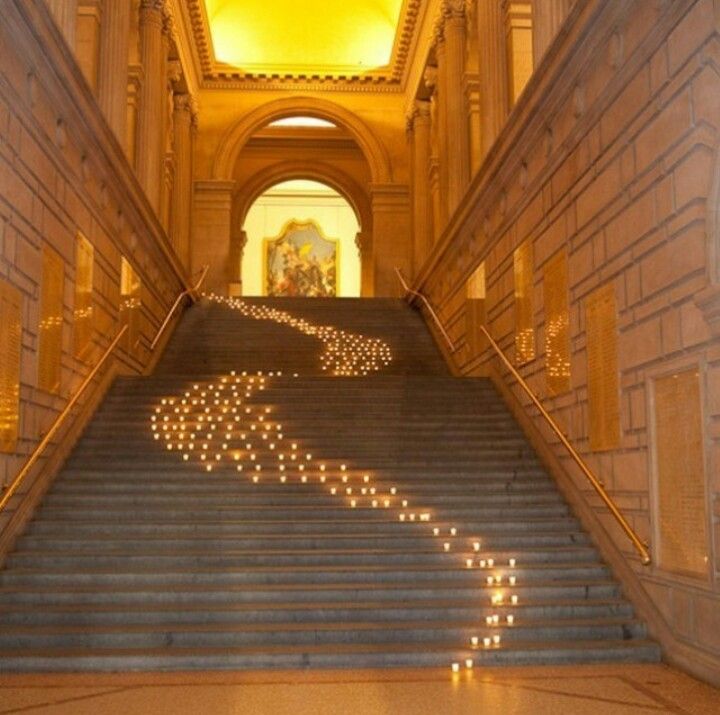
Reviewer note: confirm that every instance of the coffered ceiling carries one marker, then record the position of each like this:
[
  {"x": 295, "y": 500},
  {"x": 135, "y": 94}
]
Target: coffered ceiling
[{"x": 271, "y": 42}]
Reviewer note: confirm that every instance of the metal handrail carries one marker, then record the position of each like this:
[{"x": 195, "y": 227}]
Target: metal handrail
[
  {"x": 33, "y": 458},
  {"x": 192, "y": 292},
  {"x": 15, "y": 484},
  {"x": 641, "y": 547},
  {"x": 409, "y": 291}
]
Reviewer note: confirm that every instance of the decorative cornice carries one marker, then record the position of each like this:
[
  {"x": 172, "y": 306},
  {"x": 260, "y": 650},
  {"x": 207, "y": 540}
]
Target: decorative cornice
[{"x": 216, "y": 75}]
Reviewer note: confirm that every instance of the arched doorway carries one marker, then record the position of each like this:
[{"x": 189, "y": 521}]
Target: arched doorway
[{"x": 300, "y": 240}]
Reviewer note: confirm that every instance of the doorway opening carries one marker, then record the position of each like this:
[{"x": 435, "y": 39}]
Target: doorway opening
[{"x": 301, "y": 241}]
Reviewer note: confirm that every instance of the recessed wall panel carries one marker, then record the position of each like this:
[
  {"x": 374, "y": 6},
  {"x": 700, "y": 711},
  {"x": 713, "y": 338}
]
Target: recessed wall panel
[
  {"x": 475, "y": 309},
  {"x": 10, "y": 347},
  {"x": 603, "y": 382},
  {"x": 83, "y": 311},
  {"x": 130, "y": 301},
  {"x": 557, "y": 324},
  {"x": 524, "y": 312},
  {"x": 51, "y": 320},
  {"x": 681, "y": 504}
]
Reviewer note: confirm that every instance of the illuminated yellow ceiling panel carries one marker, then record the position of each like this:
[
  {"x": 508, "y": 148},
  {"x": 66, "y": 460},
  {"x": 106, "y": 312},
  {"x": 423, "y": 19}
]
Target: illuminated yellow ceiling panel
[{"x": 304, "y": 36}]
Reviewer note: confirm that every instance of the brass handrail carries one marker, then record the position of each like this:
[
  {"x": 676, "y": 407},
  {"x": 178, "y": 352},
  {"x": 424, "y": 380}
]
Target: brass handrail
[
  {"x": 15, "y": 484},
  {"x": 188, "y": 292},
  {"x": 640, "y": 546},
  {"x": 409, "y": 291},
  {"x": 33, "y": 458}
]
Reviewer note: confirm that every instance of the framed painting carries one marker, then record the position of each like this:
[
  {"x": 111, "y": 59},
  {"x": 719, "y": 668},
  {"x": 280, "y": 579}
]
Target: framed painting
[{"x": 301, "y": 261}]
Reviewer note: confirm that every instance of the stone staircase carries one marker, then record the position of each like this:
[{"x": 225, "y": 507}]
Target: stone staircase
[{"x": 453, "y": 546}]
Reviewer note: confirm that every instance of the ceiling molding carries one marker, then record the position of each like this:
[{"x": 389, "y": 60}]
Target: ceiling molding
[{"x": 217, "y": 75}]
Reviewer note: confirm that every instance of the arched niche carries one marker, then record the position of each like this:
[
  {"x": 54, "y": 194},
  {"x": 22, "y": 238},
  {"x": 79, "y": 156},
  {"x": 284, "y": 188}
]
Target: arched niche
[
  {"x": 238, "y": 135},
  {"x": 265, "y": 213}
]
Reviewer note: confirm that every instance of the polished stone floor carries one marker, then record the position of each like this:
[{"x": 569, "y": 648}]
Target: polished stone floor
[{"x": 586, "y": 690}]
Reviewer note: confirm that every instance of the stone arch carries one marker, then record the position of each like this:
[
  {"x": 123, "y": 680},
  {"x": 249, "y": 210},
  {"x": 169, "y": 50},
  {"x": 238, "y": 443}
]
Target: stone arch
[
  {"x": 237, "y": 136},
  {"x": 248, "y": 193}
]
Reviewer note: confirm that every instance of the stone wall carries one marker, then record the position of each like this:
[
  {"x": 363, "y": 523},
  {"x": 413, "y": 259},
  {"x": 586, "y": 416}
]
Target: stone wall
[
  {"x": 611, "y": 155},
  {"x": 62, "y": 172}
]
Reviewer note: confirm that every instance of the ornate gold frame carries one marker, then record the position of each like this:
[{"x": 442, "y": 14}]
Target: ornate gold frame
[{"x": 296, "y": 224}]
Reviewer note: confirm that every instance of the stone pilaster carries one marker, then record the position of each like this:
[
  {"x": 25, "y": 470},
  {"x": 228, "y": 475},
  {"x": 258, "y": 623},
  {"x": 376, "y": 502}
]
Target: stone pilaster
[
  {"x": 494, "y": 101},
  {"x": 65, "y": 14},
  {"x": 547, "y": 16},
  {"x": 457, "y": 147},
  {"x": 421, "y": 200},
  {"x": 435, "y": 81},
  {"x": 185, "y": 124},
  {"x": 112, "y": 89},
  {"x": 150, "y": 144}
]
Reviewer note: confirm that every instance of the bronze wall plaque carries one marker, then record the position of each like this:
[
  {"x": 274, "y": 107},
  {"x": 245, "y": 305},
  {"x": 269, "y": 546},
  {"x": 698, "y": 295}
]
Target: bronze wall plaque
[
  {"x": 557, "y": 324},
  {"x": 524, "y": 313},
  {"x": 11, "y": 337},
  {"x": 603, "y": 381},
  {"x": 130, "y": 301},
  {"x": 475, "y": 310},
  {"x": 51, "y": 320},
  {"x": 83, "y": 312},
  {"x": 682, "y": 516}
]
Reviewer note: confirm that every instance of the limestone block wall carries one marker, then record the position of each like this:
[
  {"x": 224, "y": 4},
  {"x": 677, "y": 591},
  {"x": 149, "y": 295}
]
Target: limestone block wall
[
  {"x": 62, "y": 172},
  {"x": 611, "y": 154}
]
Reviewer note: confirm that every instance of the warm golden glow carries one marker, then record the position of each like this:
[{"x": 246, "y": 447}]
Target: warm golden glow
[
  {"x": 51, "y": 320},
  {"x": 524, "y": 309},
  {"x": 11, "y": 335},
  {"x": 130, "y": 300},
  {"x": 309, "y": 37},
  {"x": 83, "y": 311}
]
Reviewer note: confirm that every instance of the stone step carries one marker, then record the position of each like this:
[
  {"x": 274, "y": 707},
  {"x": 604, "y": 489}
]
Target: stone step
[
  {"x": 339, "y": 656},
  {"x": 385, "y": 631}
]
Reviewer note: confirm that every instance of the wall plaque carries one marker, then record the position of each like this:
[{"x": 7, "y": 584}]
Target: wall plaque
[
  {"x": 557, "y": 324},
  {"x": 681, "y": 503},
  {"x": 524, "y": 328},
  {"x": 603, "y": 382},
  {"x": 51, "y": 320},
  {"x": 475, "y": 310},
  {"x": 11, "y": 336},
  {"x": 83, "y": 311},
  {"x": 130, "y": 302}
]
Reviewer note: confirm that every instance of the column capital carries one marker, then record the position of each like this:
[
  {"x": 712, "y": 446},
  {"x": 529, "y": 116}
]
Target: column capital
[
  {"x": 422, "y": 109},
  {"x": 430, "y": 78},
  {"x": 152, "y": 5},
  {"x": 454, "y": 9},
  {"x": 174, "y": 71},
  {"x": 185, "y": 102}
]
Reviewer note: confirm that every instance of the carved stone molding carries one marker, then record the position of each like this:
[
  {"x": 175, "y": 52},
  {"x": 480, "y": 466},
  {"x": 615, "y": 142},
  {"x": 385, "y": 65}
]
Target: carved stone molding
[{"x": 217, "y": 75}]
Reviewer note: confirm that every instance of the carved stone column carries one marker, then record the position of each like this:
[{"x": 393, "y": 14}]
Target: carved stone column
[
  {"x": 65, "y": 14},
  {"x": 547, "y": 16},
  {"x": 435, "y": 81},
  {"x": 172, "y": 72},
  {"x": 458, "y": 143},
  {"x": 185, "y": 125},
  {"x": 87, "y": 39},
  {"x": 493, "y": 71},
  {"x": 113, "y": 69},
  {"x": 421, "y": 201},
  {"x": 150, "y": 145}
]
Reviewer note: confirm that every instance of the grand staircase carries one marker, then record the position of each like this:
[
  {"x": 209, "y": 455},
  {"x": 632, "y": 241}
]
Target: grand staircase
[{"x": 408, "y": 522}]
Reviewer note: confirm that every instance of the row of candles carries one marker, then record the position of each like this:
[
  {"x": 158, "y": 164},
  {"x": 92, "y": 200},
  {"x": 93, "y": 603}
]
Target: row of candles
[
  {"x": 345, "y": 354},
  {"x": 214, "y": 423}
]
